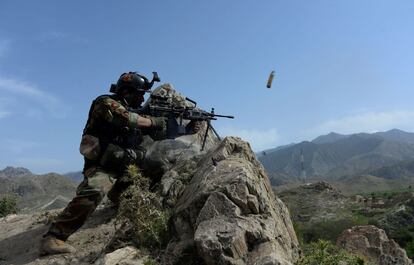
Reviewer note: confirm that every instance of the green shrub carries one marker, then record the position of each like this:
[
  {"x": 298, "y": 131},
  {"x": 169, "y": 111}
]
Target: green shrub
[
  {"x": 325, "y": 253},
  {"x": 409, "y": 248},
  {"x": 326, "y": 230},
  {"x": 142, "y": 209},
  {"x": 150, "y": 261},
  {"x": 405, "y": 238},
  {"x": 8, "y": 205}
]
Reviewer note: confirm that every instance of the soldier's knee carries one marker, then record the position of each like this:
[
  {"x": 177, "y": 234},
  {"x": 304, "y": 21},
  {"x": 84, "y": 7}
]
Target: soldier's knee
[
  {"x": 90, "y": 197},
  {"x": 100, "y": 181}
]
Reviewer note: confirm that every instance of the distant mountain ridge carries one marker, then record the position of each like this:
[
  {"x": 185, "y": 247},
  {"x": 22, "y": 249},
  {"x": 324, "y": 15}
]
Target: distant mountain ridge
[
  {"x": 335, "y": 155},
  {"x": 36, "y": 191},
  {"x": 76, "y": 175},
  {"x": 329, "y": 138},
  {"x": 14, "y": 171},
  {"x": 392, "y": 135}
]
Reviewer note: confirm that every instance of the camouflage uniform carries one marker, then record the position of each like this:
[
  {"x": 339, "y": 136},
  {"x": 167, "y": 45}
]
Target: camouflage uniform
[{"x": 116, "y": 128}]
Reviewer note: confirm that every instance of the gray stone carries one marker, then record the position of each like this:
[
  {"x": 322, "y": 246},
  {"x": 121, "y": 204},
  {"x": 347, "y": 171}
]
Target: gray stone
[
  {"x": 373, "y": 243},
  {"x": 230, "y": 214},
  {"x": 123, "y": 256}
]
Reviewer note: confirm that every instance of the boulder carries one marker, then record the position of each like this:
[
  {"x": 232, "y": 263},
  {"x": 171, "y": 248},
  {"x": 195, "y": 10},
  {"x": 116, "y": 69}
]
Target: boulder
[
  {"x": 373, "y": 243},
  {"x": 228, "y": 213},
  {"x": 123, "y": 256},
  {"x": 173, "y": 162}
]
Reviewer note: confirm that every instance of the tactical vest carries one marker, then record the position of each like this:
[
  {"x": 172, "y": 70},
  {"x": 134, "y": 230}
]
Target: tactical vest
[{"x": 108, "y": 133}]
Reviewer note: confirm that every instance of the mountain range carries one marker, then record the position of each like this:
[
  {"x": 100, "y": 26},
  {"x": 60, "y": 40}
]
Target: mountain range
[
  {"x": 387, "y": 154},
  {"x": 34, "y": 192}
]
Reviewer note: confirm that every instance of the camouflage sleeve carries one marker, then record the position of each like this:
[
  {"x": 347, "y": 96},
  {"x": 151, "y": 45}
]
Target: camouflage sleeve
[{"x": 113, "y": 112}]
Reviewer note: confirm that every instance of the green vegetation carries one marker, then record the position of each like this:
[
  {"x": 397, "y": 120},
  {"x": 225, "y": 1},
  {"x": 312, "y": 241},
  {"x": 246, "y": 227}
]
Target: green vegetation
[
  {"x": 325, "y": 253},
  {"x": 404, "y": 236},
  {"x": 395, "y": 195},
  {"x": 143, "y": 211},
  {"x": 328, "y": 230},
  {"x": 8, "y": 205},
  {"x": 381, "y": 212},
  {"x": 150, "y": 261}
]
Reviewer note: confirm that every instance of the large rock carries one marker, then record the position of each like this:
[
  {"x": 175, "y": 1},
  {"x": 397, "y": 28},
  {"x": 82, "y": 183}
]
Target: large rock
[
  {"x": 173, "y": 162},
  {"x": 373, "y": 243},
  {"x": 123, "y": 256},
  {"x": 228, "y": 213}
]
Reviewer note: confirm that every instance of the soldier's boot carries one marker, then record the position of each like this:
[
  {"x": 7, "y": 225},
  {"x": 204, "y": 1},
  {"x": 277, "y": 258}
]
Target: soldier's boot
[{"x": 51, "y": 245}]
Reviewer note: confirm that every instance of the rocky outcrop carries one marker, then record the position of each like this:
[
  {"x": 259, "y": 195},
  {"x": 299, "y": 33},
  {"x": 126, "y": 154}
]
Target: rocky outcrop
[
  {"x": 373, "y": 243},
  {"x": 224, "y": 212},
  {"x": 228, "y": 213}
]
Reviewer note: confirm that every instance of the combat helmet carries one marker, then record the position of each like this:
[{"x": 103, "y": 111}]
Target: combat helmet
[{"x": 135, "y": 82}]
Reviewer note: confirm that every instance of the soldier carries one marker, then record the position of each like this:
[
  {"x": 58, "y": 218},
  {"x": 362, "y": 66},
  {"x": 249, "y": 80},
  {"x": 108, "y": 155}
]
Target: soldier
[{"x": 110, "y": 142}]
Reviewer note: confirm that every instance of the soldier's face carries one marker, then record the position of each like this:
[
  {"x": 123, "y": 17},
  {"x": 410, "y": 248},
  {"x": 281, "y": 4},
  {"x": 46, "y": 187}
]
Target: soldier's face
[{"x": 136, "y": 99}]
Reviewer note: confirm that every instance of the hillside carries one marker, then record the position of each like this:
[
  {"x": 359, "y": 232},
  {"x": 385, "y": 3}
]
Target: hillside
[
  {"x": 35, "y": 192},
  {"x": 369, "y": 183},
  {"x": 335, "y": 155},
  {"x": 320, "y": 210}
]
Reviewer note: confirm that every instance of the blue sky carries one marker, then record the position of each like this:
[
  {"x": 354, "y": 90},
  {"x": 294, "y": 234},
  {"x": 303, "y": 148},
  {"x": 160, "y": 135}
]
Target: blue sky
[{"x": 343, "y": 66}]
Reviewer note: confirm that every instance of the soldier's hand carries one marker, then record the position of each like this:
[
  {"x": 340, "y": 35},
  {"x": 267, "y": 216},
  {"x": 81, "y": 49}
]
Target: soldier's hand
[
  {"x": 134, "y": 156},
  {"x": 158, "y": 123},
  {"x": 194, "y": 126}
]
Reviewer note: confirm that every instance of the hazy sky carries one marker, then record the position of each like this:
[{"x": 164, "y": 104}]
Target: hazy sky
[{"x": 345, "y": 66}]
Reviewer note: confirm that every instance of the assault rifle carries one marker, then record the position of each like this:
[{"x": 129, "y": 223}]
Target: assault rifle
[{"x": 177, "y": 108}]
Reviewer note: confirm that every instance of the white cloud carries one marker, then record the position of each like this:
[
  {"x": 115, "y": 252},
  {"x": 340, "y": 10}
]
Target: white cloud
[
  {"x": 367, "y": 122},
  {"x": 19, "y": 87},
  {"x": 44, "y": 102},
  {"x": 258, "y": 139}
]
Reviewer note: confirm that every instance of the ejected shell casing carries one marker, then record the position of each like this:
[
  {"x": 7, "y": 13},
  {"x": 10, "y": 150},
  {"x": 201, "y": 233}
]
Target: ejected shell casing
[{"x": 270, "y": 80}]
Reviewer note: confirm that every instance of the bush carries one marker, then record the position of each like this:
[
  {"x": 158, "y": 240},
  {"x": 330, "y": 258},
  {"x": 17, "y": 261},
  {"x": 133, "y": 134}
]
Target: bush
[
  {"x": 405, "y": 238},
  {"x": 8, "y": 205},
  {"x": 325, "y": 253},
  {"x": 327, "y": 230},
  {"x": 143, "y": 211},
  {"x": 409, "y": 248},
  {"x": 150, "y": 261}
]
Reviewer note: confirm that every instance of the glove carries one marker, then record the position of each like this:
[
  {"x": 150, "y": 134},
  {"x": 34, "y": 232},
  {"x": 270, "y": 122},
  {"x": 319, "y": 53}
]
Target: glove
[
  {"x": 158, "y": 123},
  {"x": 134, "y": 156},
  {"x": 116, "y": 158},
  {"x": 194, "y": 126}
]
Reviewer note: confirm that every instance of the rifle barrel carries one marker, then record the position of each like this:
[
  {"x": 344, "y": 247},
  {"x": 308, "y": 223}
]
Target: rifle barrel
[{"x": 223, "y": 116}]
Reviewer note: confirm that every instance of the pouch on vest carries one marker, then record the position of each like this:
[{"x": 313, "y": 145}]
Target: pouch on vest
[
  {"x": 113, "y": 158},
  {"x": 89, "y": 147}
]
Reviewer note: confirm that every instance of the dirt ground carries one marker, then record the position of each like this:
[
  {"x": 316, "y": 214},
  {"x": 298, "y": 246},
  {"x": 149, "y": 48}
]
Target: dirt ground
[{"x": 20, "y": 237}]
